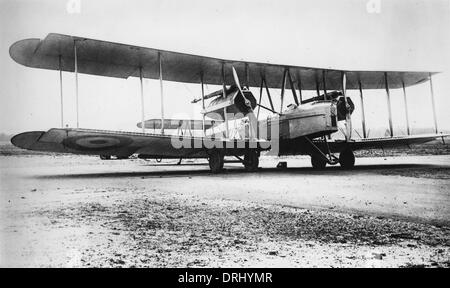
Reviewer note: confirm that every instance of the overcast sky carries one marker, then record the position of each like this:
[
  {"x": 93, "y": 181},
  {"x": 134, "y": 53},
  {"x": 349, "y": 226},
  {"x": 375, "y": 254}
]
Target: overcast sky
[{"x": 396, "y": 35}]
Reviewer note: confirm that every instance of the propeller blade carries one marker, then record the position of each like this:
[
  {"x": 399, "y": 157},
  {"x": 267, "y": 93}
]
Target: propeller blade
[
  {"x": 236, "y": 81},
  {"x": 251, "y": 116},
  {"x": 344, "y": 83},
  {"x": 236, "y": 78}
]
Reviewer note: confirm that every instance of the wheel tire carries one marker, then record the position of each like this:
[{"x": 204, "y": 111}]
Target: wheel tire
[
  {"x": 318, "y": 162},
  {"x": 347, "y": 159},
  {"x": 216, "y": 160},
  {"x": 251, "y": 161},
  {"x": 105, "y": 157}
]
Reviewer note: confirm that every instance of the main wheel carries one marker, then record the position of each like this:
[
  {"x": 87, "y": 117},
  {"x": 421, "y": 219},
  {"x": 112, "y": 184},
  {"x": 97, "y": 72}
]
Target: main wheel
[
  {"x": 318, "y": 162},
  {"x": 216, "y": 160},
  {"x": 251, "y": 160},
  {"x": 347, "y": 159}
]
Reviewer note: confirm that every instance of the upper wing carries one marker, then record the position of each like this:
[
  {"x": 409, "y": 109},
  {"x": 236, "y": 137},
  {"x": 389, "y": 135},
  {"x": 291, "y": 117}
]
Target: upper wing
[
  {"x": 100, "y": 142},
  {"x": 119, "y": 60}
]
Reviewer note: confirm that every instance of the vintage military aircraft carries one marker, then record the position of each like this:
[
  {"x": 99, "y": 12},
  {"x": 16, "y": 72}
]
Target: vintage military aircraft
[{"x": 303, "y": 128}]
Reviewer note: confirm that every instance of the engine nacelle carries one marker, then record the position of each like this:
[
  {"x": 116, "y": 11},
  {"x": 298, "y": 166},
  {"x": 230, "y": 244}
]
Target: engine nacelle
[{"x": 234, "y": 102}]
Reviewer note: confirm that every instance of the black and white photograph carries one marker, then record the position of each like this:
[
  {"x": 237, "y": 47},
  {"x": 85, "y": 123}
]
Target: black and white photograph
[{"x": 224, "y": 134}]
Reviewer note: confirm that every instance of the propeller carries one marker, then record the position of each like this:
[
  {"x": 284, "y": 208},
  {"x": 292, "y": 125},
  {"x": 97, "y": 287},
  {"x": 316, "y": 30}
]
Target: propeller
[
  {"x": 251, "y": 116},
  {"x": 348, "y": 119}
]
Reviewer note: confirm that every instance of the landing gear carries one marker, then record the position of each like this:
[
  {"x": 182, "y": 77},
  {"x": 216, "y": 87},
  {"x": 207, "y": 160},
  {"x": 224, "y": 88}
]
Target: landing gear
[
  {"x": 318, "y": 162},
  {"x": 216, "y": 160},
  {"x": 251, "y": 160},
  {"x": 347, "y": 159},
  {"x": 322, "y": 154}
]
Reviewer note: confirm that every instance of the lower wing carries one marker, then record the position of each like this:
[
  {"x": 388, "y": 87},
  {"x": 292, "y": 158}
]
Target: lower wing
[
  {"x": 377, "y": 143},
  {"x": 123, "y": 144}
]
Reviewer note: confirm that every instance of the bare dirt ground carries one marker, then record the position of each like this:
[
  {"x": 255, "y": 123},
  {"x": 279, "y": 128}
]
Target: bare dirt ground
[{"x": 79, "y": 211}]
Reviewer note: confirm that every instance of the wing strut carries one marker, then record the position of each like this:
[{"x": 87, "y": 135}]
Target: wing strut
[
  {"x": 268, "y": 93},
  {"x": 363, "y": 115},
  {"x": 348, "y": 119},
  {"x": 142, "y": 100},
  {"x": 317, "y": 85},
  {"x": 283, "y": 89},
  {"x": 391, "y": 131},
  {"x": 61, "y": 91},
  {"x": 324, "y": 80},
  {"x": 260, "y": 97},
  {"x": 247, "y": 77},
  {"x": 433, "y": 105},
  {"x": 406, "y": 109},
  {"x": 203, "y": 103},
  {"x": 162, "y": 91},
  {"x": 224, "y": 93},
  {"x": 294, "y": 93},
  {"x": 299, "y": 88},
  {"x": 76, "y": 77}
]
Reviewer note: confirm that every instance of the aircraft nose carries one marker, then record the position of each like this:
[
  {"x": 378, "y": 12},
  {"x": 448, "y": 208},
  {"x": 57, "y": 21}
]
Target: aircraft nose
[{"x": 27, "y": 139}]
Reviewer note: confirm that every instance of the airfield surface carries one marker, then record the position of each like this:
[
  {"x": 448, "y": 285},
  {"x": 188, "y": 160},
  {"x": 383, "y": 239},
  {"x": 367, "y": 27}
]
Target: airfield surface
[{"x": 71, "y": 211}]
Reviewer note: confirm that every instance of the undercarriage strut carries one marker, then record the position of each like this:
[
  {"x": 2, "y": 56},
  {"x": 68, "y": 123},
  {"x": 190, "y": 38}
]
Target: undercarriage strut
[{"x": 326, "y": 156}]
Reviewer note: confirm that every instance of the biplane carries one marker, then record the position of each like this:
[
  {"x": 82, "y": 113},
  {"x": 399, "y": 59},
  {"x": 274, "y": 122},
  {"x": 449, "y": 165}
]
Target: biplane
[{"x": 301, "y": 128}]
